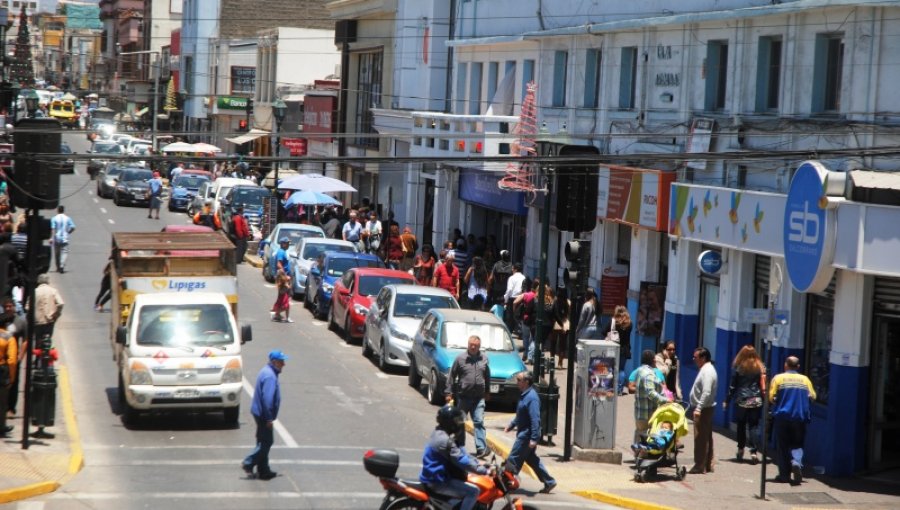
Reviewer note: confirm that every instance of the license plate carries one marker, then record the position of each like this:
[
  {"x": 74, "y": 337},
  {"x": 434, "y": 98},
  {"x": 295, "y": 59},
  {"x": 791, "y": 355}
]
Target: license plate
[
  {"x": 187, "y": 394},
  {"x": 495, "y": 388}
]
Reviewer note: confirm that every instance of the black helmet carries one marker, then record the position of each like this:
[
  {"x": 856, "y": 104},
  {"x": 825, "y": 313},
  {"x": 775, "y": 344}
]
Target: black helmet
[{"x": 450, "y": 419}]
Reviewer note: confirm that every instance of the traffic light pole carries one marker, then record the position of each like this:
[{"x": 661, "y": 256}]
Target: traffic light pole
[
  {"x": 538, "y": 339},
  {"x": 31, "y": 253}
]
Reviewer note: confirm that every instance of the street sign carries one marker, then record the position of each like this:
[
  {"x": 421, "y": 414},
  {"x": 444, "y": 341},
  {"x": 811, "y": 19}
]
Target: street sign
[
  {"x": 710, "y": 262},
  {"x": 761, "y": 316}
]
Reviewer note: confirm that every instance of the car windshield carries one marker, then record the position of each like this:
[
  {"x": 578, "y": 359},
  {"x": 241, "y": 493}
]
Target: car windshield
[
  {"x": 338, "y": 267},
  {"x": 416, "y": 306},
  {"x": 312, "y": 251},
  {"x": 113, "y": 171},
  {"x": 295, "y": 235},
  {"x": 185, "y": 326},
  {"x": 371, "y": 285},
  {"x": 494, "y": 337},
  {"x": 107, "y": 148},
  {"x": 252, "y": 197},
  {"x": 189, "y": 181},
  {"x": 136, "y": 175}
]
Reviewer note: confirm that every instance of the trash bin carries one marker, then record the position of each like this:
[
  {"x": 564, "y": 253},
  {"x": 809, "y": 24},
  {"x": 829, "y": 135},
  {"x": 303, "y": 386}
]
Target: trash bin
[
  {"x": 548, "y": 395},
  {"x": 43, "y": 397}
]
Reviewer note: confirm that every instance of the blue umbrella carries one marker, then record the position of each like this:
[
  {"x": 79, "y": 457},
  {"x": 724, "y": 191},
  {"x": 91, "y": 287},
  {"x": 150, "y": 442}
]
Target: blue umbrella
[{"x": 307, "y": 197}]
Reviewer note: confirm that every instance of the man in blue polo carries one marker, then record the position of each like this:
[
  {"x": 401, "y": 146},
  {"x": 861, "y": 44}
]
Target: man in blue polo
[{"x": 266, "y": 401}]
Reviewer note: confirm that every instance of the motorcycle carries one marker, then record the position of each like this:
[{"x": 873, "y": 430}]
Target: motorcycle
[{"x": 414, "y": 495}]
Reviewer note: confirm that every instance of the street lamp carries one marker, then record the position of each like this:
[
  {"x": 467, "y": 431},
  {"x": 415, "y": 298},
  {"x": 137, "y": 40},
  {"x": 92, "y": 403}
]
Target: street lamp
[
  {"x": 279, "y": 110},
  {"x": 31, "y": 102},
  {"x": 155, "y": 89}
]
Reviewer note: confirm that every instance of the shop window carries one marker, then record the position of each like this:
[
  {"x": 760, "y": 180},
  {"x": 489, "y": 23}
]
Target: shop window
[
  {"x": 819, "y": 328},
  {"x": 709, "y": 310},
  {"x": 768, "y": 74},
  {"x": 560, "y": 63},
  {"x": 462, "y": 70},
  {"x": 475, "y": 88},
  {"x": 368, "y": 95}
]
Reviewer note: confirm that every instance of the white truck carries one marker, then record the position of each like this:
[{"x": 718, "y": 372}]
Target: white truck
[{"x": 177, "y": 344}]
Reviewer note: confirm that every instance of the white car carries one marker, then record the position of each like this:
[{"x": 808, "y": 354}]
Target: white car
[
  {"x": 270, "y": 245},
  {"x": 394, "y": 317},
  {"x": 305, "y": 252}
]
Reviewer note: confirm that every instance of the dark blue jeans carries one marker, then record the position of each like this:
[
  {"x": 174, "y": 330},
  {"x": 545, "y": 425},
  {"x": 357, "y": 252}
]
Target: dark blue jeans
[
  {"x": 522, "y": 454},
  {"x": 265, "y": 437},
  {"x": 789, "y": 438}
]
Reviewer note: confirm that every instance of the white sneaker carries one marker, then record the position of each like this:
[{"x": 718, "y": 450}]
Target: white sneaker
[{"x": 288, "y": 320}]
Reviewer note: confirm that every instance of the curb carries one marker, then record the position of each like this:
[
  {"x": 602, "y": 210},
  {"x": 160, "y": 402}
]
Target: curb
[
  {"x": 27, "y": 491},
  {"x": 253, "y": 261},
  {"x": 621, "y": 501}
]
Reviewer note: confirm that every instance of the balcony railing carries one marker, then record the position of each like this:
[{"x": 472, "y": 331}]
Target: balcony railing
[{"x": 437, "y": 134}]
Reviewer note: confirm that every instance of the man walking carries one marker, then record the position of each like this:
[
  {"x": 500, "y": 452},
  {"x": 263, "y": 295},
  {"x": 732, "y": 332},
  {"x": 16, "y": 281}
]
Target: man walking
[
  {"x": 469, "y": 379},
  {"x": 241, "y": 232},
  {"x": 528, "y": 426},
  {"x": 48, "y": 307},
  {"x": 352, "y": 231},
  {"x": 266, "y": 401},
  {"x": 703, "y": 400},
  {"x": 155, "y": 189},
  {"x": 513, "y": 290},
  {"x": 790, "y": 394},
  {"x": 500, "y": 273},
  {"x": 62, "y": 226},
  {"x": 648, "y": 396}
]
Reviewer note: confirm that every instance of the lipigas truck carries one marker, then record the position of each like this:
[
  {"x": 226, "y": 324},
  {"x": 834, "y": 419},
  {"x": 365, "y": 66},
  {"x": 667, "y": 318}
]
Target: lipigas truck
[{"x": 174, "y": 331}]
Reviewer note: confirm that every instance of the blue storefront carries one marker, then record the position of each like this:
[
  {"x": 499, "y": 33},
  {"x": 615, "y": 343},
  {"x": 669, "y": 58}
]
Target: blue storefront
[{"x": 493, "y": 211}]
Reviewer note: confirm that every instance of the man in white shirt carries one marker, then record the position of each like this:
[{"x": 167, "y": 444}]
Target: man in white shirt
[
  {"x": 62, "y": 226},
  {"x": 703, "y": 401},
  {"x": 513, "y": 290}
]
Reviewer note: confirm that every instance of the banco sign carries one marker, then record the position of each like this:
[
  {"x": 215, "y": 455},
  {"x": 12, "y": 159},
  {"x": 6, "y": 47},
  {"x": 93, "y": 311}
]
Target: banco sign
[{"x": 809, "y": 230}]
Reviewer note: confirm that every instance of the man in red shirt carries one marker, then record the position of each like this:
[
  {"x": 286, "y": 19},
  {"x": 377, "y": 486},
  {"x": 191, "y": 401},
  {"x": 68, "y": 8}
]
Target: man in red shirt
[
  {"x": 241, "y": 232},
  {"x": 447, "y": 276}
]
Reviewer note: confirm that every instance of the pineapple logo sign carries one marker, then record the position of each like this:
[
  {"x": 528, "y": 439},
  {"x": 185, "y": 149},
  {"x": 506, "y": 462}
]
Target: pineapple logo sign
[{"x": 809, "y": 230}]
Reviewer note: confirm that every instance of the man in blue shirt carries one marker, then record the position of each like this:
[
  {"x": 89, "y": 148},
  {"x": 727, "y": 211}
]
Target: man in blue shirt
[
  {"x": 156, "y": 186},
  {"x": 528, "y": 426},
  {"x": 282, "y": 261},
  {"x": 266, "y": 401},
  {"x": 62, "y": 226},
  {"x": 445, "y": 464},
  {"x": 790, "y": 394}
]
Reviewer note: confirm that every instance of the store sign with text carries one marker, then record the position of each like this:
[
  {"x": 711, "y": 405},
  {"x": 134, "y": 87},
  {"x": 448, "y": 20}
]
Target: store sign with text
[
  {"x": 634, "y": 196},
  {"x": 613, "y": 287},
  {"x": 318, "y": 116},
  {"x": 297, "y": 146}
]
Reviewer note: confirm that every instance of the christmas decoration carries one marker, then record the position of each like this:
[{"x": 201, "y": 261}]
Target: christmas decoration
[{"x": 21, "y": 69}]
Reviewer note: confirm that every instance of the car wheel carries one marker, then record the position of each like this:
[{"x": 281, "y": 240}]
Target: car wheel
[
  {"x": 115, "y": 198},
  {"x": 413, "y": 378},
  {"x": 268, "y": 277},
  {"x": 366, "y": 350},
  {"x": 306, "y": 303},
  {"x": 332, "y": 326},
  {"x": 382, "y": 357},
  {"x": 435, "y": 389},
  {"x": 348, "y": 336},
  {"x": 130, "y": 415},
  {"x": 121, "y": 392}
]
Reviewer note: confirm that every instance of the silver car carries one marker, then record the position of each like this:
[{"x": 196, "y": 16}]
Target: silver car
[
  {"x": 305, "y": 252},
  {"x": 393, "y": 318}
]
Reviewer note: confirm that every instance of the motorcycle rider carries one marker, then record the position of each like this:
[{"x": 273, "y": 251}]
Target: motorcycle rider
[{"x": 444, "y": 464}]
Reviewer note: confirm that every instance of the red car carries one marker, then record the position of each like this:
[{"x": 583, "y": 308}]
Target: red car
[{"x": 353, "y": 295}]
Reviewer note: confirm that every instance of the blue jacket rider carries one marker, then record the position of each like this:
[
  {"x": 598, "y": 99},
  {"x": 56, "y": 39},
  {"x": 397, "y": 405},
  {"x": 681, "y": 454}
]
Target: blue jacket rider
[{"x": 444, "y": 464}]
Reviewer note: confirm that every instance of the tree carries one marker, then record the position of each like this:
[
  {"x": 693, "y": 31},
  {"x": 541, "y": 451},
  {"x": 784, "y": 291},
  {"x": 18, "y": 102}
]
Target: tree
[{"x": 21, "y": 68}]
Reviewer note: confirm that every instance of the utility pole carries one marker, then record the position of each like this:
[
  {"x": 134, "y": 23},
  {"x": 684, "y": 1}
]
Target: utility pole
[{"x": 770, "y": 339}]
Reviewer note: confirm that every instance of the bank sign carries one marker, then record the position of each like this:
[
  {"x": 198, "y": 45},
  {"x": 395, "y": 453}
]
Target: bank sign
[{"x": 809, "y": 230}]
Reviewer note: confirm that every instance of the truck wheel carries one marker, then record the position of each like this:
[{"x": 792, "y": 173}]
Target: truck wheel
[
  {"x": 435, "y": 390},
  {"x": 413, "y": 378},
  {"x": 232, "y": 414},
  {"x": 130, "y": 415}
]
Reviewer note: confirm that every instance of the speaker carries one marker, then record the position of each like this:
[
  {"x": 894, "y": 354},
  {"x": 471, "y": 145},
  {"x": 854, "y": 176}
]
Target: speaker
[
  {"x": 344, "y": 31},
  {"x": 576, "y": 189},
  {"x": 34, "y": 180}
]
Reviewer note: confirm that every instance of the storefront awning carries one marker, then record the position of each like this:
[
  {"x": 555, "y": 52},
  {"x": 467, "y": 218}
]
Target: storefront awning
[{"x": 249, "y": 137}]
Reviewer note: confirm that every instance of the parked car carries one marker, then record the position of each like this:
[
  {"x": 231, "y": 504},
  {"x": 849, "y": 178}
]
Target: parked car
[
  {"x": 108, "y": 177},
  {"x": 184, "y": 188},
  {"x": 444, "y": 333},
  {"x": 269, "y": 245},
  {"x": 99, "y": 149},
  {"x": 250, "y": 197},
  {"x": 352, "y": 297},
  {"x": 393, "y": 318},
  {"x": 67, "y": 166},
  {"x": 323, "y": 276},
  {"x": 133, "y": 146},
  {"x": 133, "y": 187},
  {"x": 204, "y": 194},
  {"x": 305, "y": 252}
]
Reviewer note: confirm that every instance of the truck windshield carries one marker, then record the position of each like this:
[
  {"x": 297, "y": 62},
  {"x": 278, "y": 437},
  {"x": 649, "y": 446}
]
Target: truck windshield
[{"x": 185, "y": 326}]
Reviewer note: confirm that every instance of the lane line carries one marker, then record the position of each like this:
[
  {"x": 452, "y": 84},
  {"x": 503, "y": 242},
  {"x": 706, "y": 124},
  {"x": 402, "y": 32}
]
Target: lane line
[
  {"x": 110, "y": 220},
  {"x": 102, "y": 209},
  {"x": 355, "y": 464},
  {"x": 281, "y": 429}
]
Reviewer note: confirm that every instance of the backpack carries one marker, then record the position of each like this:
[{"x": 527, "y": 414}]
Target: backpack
[{"x": 502, "y": 272}]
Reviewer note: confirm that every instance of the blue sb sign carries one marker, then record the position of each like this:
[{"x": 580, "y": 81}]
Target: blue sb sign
[
  {"x": 809, "y": 229},
  {"x": 710, "y": 262}
]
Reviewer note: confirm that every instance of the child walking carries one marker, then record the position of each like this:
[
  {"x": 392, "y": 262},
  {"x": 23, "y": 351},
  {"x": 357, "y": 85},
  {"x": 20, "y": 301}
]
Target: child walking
[{"x": 283, "y": 301}]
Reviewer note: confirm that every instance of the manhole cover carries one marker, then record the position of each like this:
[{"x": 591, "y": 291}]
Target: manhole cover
[{"x": 805, "y": 498}]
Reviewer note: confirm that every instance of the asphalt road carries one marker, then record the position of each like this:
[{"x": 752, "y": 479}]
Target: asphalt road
[{"x": 336, "y": 404}]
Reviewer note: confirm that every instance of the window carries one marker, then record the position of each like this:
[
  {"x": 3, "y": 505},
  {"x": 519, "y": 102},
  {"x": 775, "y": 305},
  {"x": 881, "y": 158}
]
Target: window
[
  {"x": 493, "y": 77},
  {"x": 592, "y": 79},
  {"x": 716, "y": 75},
  {"x": 243, "y": 79},
  {"x": 560, "y": 62},
  {"x": 527, "y": 75},
  {"x": 368, "y": 95},
  {"x": 627, "y": 77},
  {"x": 462, "y": 70},
  {"x": 827, "y": 73},
  {"x": 768, "y": 74},
  {"x": 475, "y": 88},
  {"x": 820, "y": 317}
]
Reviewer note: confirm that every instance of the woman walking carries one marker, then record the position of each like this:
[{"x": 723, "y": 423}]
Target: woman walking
[
  {"x": 476, "y": 280},
  {"x": 747, "y": 389},
  {"x": 423, "y": 267},
  {"x": 587, "y": 319},
  {"x": 621, "y": 324},
  {"x": 283, "y": 301},
  {"x": 560, "y": 336},
  {"x": 667, "y": 363}
]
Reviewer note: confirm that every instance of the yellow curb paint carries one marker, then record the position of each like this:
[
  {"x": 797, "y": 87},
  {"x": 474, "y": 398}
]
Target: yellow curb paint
[
  {"x": 76, "y": 455},
  {"x": 27, "y": 491},
  {"x": 500, "y": 449},
  {"x": 621, "y": 501}
]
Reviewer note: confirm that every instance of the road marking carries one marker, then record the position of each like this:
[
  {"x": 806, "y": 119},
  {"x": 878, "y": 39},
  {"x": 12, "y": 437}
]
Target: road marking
[
  {"x": 356, "y": 464},
  {"x": 102, "y": 209},
  {"x": 98, "y": 447},
  {"x": 382, "y": 375},
  {"x": 111, "y": 221},
  {"x": 139, "y": 496},
  {"x": 282, "y": 431},
  {"x": 354, "y": 405}
]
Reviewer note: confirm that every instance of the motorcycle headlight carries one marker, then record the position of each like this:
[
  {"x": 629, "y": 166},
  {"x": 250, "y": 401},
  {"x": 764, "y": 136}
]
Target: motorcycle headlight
[
  {"x": 360, "y": 309},
  {"x": 140, "y": 375},
  {"x": 233, "y": 373}
]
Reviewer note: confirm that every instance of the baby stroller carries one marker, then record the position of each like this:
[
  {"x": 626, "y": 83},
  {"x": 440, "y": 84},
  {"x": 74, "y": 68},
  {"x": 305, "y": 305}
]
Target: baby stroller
[{"x": 656, "y": 450}]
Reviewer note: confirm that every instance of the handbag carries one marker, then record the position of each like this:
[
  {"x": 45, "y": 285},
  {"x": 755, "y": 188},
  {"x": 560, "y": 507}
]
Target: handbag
[{"x": 613, "y": 332}]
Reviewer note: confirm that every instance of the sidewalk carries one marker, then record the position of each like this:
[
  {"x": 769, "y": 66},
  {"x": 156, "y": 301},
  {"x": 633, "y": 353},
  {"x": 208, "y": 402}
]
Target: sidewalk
[
  {"x": 47, "y": 463},
  {"x": 733, "y": 485}
]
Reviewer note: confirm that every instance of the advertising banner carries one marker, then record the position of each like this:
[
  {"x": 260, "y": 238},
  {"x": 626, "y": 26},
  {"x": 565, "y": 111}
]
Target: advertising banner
[
  {"x": 746, "y": 220},
  {"x": 613, "y": 287},
  {"x": 480, "y": 187},
  {"x": 318, "y": 116},
  {"x": 634, "y": 196},
  {"x": 650, "y": 309},
  {"x": 297, "y": 146}
]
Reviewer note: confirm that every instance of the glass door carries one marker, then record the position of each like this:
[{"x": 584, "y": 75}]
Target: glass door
[{"x": 885, "y": 405}]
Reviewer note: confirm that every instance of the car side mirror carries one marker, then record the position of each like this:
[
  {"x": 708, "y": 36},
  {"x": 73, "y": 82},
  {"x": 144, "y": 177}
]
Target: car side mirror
[
  {"x": 121, "y": 334},
  {"x": 345, "y": 291},
  {"x": 246, "y": 333}
]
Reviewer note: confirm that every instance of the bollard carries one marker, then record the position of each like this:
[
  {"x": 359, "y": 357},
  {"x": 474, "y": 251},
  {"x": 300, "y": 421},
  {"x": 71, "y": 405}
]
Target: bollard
[
  {"x": 548, "y": 394},
  {"x": 43, "y": 388}
]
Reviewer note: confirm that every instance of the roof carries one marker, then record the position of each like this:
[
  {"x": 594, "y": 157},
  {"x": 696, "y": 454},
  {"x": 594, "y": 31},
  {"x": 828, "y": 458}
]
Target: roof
[{"x": 460, "y": 315}]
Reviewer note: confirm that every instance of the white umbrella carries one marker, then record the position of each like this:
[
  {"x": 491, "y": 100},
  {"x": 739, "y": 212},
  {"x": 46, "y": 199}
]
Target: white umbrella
[
  {"x": 205, "y": 148},
  {"x": 315, "y": 182},
  {"x": 178, "y": 147}
]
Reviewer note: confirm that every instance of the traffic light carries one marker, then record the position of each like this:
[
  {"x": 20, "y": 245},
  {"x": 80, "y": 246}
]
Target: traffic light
[
  {"x": 576, "y": 188},
  {"x": 578, "y": 258},
  {"x": 38, "y": 232},
  {"x": 242, "y": 125},
  {"x": 34, "y": 180}
]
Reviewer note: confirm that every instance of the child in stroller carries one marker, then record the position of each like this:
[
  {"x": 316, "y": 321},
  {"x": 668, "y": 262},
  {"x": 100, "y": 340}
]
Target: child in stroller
[{"x": 659, "y": 446}]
